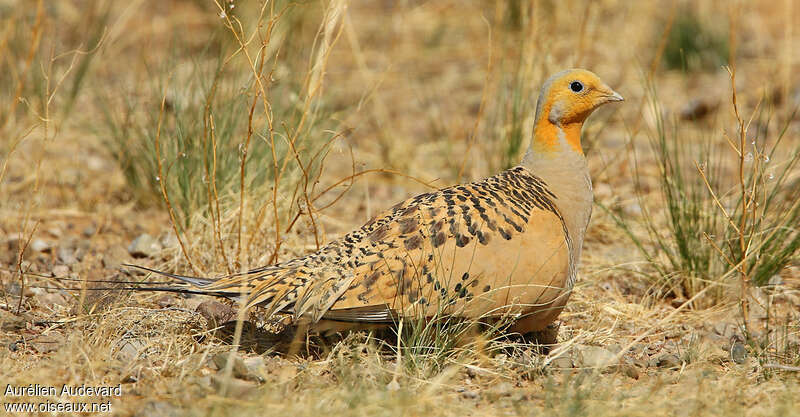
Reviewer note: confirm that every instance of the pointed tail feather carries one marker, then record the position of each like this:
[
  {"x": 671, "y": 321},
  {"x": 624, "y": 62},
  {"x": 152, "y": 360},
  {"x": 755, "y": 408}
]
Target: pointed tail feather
[
  {"x": 196, "y": 281},
  {"x": 134, "y": 288}
]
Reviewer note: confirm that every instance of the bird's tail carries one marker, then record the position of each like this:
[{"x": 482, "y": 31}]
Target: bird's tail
[
  {"x": 281, "y": 288},
  {"x": 131, "y": 285}
]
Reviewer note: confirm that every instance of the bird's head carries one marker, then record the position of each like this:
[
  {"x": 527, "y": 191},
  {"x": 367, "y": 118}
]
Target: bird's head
[{"x": 566, "y": 100}]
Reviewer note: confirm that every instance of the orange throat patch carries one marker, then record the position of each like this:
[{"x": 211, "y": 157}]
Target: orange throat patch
[{"x": 546, "y": 136}]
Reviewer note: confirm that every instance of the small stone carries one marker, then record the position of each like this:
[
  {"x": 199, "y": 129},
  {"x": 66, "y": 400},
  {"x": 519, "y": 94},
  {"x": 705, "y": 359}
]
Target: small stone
[
  {"x": 129, "y": 349},
  {"x": 284, "y": 373},
  {"x": 114, "y": 256},
  {"x": 738, "y": 351},
  {"x": 697, "y": 109},
  {"x": 89, "y": 231},
  {"x": 760, "y": 303},
  {"x": 233, "y": 387},
  {"x": 468, "y": 394},
  {"x": 144, "y": 246},
  {"x": 652, "y": 362},
  {"x": 10, "y": 322},
  {"x": 471, "y": 373},
  {"x": 40, "y": 245},
  {"x": 561, "y": 362},
  {"x": 168, "y": 240},
  {"x": 47, "y": 343},
  {"x": 239, "y": 368},
  {"x": 254, "y": 364},
  {"x": 677, "y": 302},
  {"x": 629, "y": 370},
  {"x": 67, "y": 255},
  {"x": 595, "y": 357},
  {"x": 725, "y": 330},
  {"x": 13, "y": 289},
  {"x": 216, "y": 313},
  {"x": 632, "y": 209},
  {"x": 60, "y": 271},
  {"x": 775, "y": 280},
  {"x": 602, "y": 191},
  {"x": 669, "y": 360},
  {"x": 166, "y": 301},
  {"x": 9, "y": 251},
  {"x": 202, "y": 381},
  {"x": 502, "y": 389},
  {"x": 393, "y": 385},
  {"x": 52, "y": 299}
]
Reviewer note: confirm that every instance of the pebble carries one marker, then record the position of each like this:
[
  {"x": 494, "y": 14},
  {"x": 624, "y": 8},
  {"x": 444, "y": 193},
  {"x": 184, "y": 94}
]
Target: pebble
[
  {"x": 738, "y": 351},
  {"x": 239, "y": 369},
  {"x": 677, "y": 302},
  {"x": 629, "y": 370},
  {"x": 725, "y": 330},
  {"x": 669, "y": 360},
  {"x": 216, "y": 313},
  {"x": 652, "y": 362},
  {"x": 66, "y": 255},
  {"x": 130, "y": 349},
  {"x": 114, "y": 256},
  {"x": 603, "y": 191},
  {"x": 53, "y": 299},
  {"x": 89, "y": 231},
  {"x": 595, "y": 357},
  {"x": 60, "y": 271},
  {"x": 144, "y": 246},
  {"x": 40, "y": 245},
  {"x": 10, "y": 322},
  {"x": 254, "y": 364},
  {"x": 468, "y": 394},
  {"x": 167, "y": 300},
  {"x": 234, "y": 387},
  {"x": 503, "y": 389},
  {"x": 775, "y": 280},
  {"x": 632, "y": 209},
  {"x": 561, "y": 362},
  {"x": 168, "y": 240},
  {"x": 202, "y": 381},
  {"x": 47, "y": 343},
  {"x": 9, "y": 255},
  {"x": 697, "y": 109}
]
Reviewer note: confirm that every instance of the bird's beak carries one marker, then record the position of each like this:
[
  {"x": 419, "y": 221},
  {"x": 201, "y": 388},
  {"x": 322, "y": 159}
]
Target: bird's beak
[{"x": 613, "y": 96}]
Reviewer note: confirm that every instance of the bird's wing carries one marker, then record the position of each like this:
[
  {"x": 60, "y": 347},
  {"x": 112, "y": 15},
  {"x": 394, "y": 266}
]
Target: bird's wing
[
  {"x": 499, "y": 240},
  {"x": 473, "y": 249}
]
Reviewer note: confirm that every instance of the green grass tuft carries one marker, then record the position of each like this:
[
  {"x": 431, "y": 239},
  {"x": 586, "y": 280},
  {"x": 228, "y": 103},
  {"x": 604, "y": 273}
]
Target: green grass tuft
[{"x": 693, "y": 44}]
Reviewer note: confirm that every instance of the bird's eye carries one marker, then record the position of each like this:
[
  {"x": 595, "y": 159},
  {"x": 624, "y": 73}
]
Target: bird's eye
[{"x": 576, "y": 86}]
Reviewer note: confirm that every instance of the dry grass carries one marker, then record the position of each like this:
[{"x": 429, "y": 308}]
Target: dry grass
[{"x": 258, "y": 134}]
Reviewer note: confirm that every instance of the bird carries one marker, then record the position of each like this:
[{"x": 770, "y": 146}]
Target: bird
[{"x": 504, "y": 246}]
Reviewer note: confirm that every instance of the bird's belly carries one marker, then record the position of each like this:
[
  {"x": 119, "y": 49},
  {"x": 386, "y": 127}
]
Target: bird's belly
[{"x": 520, "y": 276}]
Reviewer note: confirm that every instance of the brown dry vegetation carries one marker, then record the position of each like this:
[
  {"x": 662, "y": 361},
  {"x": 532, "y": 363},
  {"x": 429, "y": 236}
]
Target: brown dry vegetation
[{"x": 105, "y": 111}]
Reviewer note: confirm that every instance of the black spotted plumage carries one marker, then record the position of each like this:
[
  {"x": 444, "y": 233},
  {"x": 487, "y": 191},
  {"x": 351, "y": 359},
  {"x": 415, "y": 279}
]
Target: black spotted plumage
[{"x": 497, "y": 207}]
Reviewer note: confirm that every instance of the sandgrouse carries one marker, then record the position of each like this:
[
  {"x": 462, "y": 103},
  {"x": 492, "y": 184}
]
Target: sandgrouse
[{"x": 506, "y": 245}]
